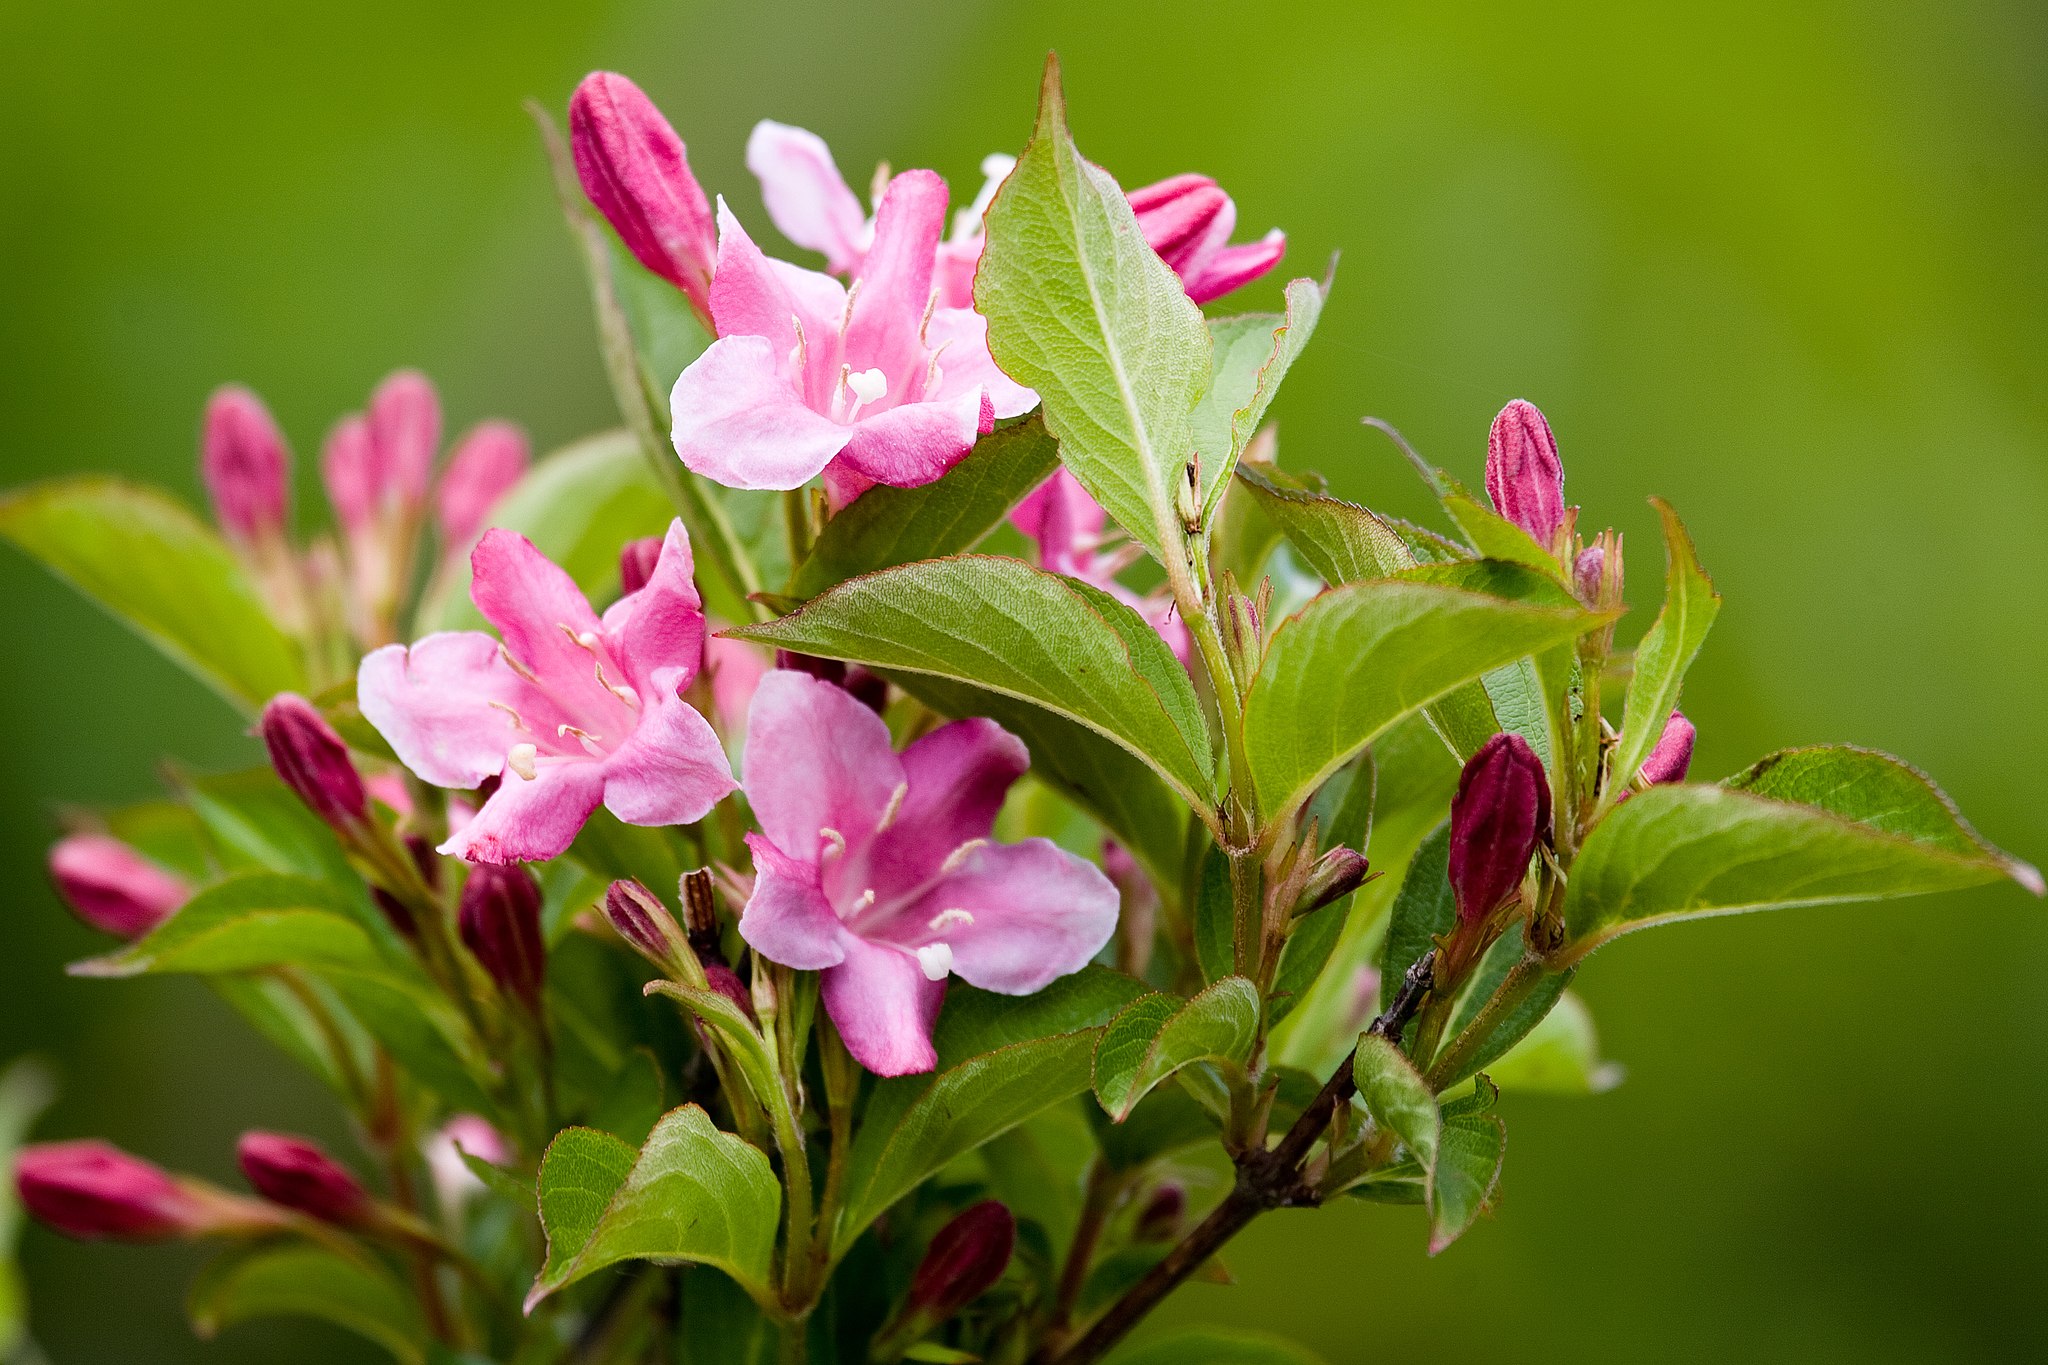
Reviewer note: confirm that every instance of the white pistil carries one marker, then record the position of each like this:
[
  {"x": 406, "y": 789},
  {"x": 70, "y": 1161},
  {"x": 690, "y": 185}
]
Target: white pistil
[
  {"x": 835, "y": 843},
  {"x": 936, "y": 959},
  {"x": 868, "y": 386},
  {"x": 894, "y": 808},
  {"x": 959, "y": 856},
  {"x": 521, "y": 760},
  {"x": 949, "y": 919}
]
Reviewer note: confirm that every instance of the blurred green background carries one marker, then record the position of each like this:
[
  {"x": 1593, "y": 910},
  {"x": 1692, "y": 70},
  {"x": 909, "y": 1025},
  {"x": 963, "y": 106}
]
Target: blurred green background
[{"x": 1782, "y": 264}]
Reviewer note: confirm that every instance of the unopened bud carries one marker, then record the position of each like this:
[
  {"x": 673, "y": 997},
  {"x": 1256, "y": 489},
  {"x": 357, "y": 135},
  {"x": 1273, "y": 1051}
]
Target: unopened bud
[
  {"x": 637, "y": 559},
  {"x": 500, "y": 925},
  {"x": 1335, "y": 875},
  {"x": 1586, "y": 572},
  {"x": 1138, "y": 907},
  {"x": 1671, "y": 758},
  {"x": 1501, "y": 809},
  {"x": 487, "y": 462},
  {"x": 1524, "y": 476},
  {"x": 1160, "y": 1219},
  {"x": 94, "y": 1190},
  {"x": 313, "y": 761},
  {"x": 1242, "y": 640},
  {"x": 112, "y": 887},
  {"x": 636, "y": 171},
  {"x": 646, "y": 925},
  {"x": 1188, "y": 220},
  {"x": 246, "y": 466},
  {"x": 348, "y": 471},
  {"x": 405, "y": 435},
  {"x": 965, "y": 1259},
  {"x": 296, "y": 1174},
  {"x": 727, "y": 983}
]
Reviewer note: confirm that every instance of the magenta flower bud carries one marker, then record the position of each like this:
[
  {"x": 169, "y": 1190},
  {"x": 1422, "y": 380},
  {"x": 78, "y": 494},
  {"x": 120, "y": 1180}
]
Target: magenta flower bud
[
  {"x": 405, "y": 435},
  {"x": 487, "y": 462},
  {"x": 636, "y": 171},
  {"x": 1188, "y": 220},
  {"x": 296, "y": 1173},
  {"x": 94, "y": 1190},
  {"x": 245, "y": 464},
  {"x": 964, "y": 1260},
  {"x": 500, "y": 924},
  {"x": 1336, "y": 875},
  {"x": 1586, "y": 572},
  {"x": 727, "y": 983},
  {"x": 645, "y": 923},
  {"x": 1499, "y": 812},
  {"x": 313, "y": 761},
  {"x": 1160, "y": 1219},
  {"x": 1524, "y": 477},
  {"x": 348, "y": 470},
  {"x": 112, "y": 887},
  {"x": 637, "y": 559},
  {"x": 1671, "y": 758}
]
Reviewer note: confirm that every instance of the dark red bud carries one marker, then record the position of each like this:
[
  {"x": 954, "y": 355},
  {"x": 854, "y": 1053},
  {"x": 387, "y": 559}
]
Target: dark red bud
[
  {"x": 500, "y": 925},
  {"x": 964, "y": 1260},
  {"x": 727, "y": 983},
  {"x": 297, "y": 1174},
  {"x": 112, "y": 887},
  {"x": 313, "y": 761},
  {"x": 637, "y": 559},
  {"x": 1160, "y": 1219},
  {"x": 95, "y": 1190},
  {"x": 1524, "y": 476},
  {"x": 1501, "y": 809},
  {"x": 645, "y": 923},
  {"x": 1336, "y": 875}
]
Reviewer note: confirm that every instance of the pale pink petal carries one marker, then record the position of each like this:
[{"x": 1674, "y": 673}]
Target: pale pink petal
[
  {"x": 958, "y": 775},
  {"x": 843, "y": 484},
  {"x": 740, "y": 420},
  {"x": 884, "y": 1008},
  {"x": 671, "y": 770},
  {"x": 805, "y": 195},
  {"x": 445, "y": 705},
  {"x": 1233, "y": 266},
  {"x": 953, "y": 272},
  {"x": 917, "y": 443},
  {"x": 662, "y": 625},
  {"x": 532, "y": 821},
  {"x": 736, "y": 669},
  {"x": 537, "y": 607},
  {"x": 754, "y": 296},
  {"x": 787, "y": 919},
  {"x": 959, "y": 337},
  {"x": 1064, "y": 521},
  {"x": 816, "y": 759},
  {"x": 896, "y": 280},
  {"x": 1015, "y": 916}
]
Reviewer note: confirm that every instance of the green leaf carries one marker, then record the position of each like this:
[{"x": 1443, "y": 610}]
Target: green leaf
[
  {"x": 1005, "y": 626},
  {"x": 1252, "y": 353},
  {"x": 1424, "y": 909},
  {"x": 1341, "y": 541},
  {"x": 271, "y": 1279},
  {"x": 888, "y": 526},
  {"x": 577, "y": 505},
  {"x": 1560, "y": 1056},
  {"x": 1304, "y": 955},
  {"x": 26, "y": 1089},
  {"x": 245, "y": 923},
  {"x": 745, "y": 1044},
  {"x": 1082, "y": 310},
  {"x": 1496, "y": 537},
  {"x": 1360, "y": 657},
  {"x": 155, "y": 566},
  {"x": 254, "y": 821},
  {"x": 1215, "y": 912},
  {"x": 1397, "y": 1098},
  {"x": 1469, "y": 1155},
  {"x": 1159, "y": 1034},
  {"x": 1216, "y": 1346},
  {"x": 692, "y": 1193},
  {"x": 1515, "y": 1023},
  {"x": 1803, "y": 827},
  {"x": 1666, "y": 651}
]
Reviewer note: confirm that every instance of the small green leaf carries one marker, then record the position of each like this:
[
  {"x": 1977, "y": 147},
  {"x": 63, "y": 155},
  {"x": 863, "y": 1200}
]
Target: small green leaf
[
  {"x": 254, "y": 821},
  {"x": 888, "y": 526},
  {"x": 245, "y": 923},
  {"x": 1216, "y": 1346},
  {"x": 1397, "y": 1098},
  {"x": 156, "y": 567},
  {"x": 1513, "y": 1024},
  {"x": 1360, "y": 657},
  {"x": 1252, "y": 354},
  {"x": 1560, "y": 1056},
  {"x": 745, "y": 1044},
  {"x": 691, "y": 1194},
  {"x": 271, "y": 1279},
  {"x": 1666, "y": 651},
  {"x": 1082, "y": 310},
  {"x": 1341, "y": 541},
  {"x": 1423, "y": 909},
  {"x": 1160, "y": 1034},
  {"x": 1214, "y": 915},
  {"x": 1002, "y": 625},
  {"x": 1469, "y": 1155},
  {"x": 1496, "y": 537},
  {"x": 1803, "y": 827}
]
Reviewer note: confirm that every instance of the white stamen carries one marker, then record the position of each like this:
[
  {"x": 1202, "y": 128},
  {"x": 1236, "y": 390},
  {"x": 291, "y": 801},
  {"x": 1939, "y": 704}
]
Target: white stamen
[
  {"x": 521, "y": 669},
  {"x": 584, "y": 737},
  {"x": 936, "y": 959},
  {"x": 798, "y": 354},
  {"x": 518, "y": 721},
  {"x": 959, "y": 856},
  {"x": 835, "y": 843},
  {"x": 846, "y": 315},
  {"x": 894, "y": 808},
  {"x": 862, "y": 901},
  {"x": 623, "y": 693},
  {"x": 520, "y": 760},
  {"x": 588, "y": 639},
  {"x": 949, "y": 919},
  {"x": 868, "y": 386}
]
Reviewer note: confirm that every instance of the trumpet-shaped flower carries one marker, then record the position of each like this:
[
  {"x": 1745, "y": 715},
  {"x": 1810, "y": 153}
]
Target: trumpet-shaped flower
[
  {"x": 876, "y": 868},
  {"x": 569, "y": 711},
  {"x": 869, "y": 384}
]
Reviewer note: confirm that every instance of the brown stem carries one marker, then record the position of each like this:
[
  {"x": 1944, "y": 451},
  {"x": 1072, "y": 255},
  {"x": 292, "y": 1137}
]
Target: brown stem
[
  {"x": 1103, "y": 1189},
  {"x": 389, "y": 1129}
]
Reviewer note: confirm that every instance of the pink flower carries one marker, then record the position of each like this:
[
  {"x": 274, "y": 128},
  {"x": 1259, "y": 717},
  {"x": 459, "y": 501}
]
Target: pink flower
[
  {"x": 869, "y": 385},
  {"x": 245, "y": 465},
  {"x": 487, "y": 461},
  {"x": 94, "y": 1190},
  {"x": 876, "y": 869},
  {"x": 637, "y": 172},
  {"x": 1188, "y": 220},
  {"x": 1524, "y": 477},
  {"x": 570, "y": 711},
  {"x": 1671, "y": 758},
  {"x": 112, "y": 887},
  {"x": 1067, "y": 526}
]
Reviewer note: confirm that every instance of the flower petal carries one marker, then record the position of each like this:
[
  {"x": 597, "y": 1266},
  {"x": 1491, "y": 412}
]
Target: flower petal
[
  {"x": 896, "y": 279},
  {"x": 787, "y": 919},
  {"x": 662, "y": 625},
  {"x": 672, "y": 769},
  {"x": 740, "y": 420},
  {"x": 1016, "y": 916},
  {"x": 959, "y": 337},
  {"x": 816, "y": 759},
  {"x": 434, "y": 704},
  {"x": 752, "y": 295},
  {"x": 806, "y": 196},
  {"x": 884, "y": 1008},
  {"x": 530, "y": 822},
  {"x": 1233, "y": 266},
  {"x": 958, "y": 775},
  {"x": 536, "y": 607},
  {"x": 914, "y": 444},
  {"x": 1065, "y": 522}
]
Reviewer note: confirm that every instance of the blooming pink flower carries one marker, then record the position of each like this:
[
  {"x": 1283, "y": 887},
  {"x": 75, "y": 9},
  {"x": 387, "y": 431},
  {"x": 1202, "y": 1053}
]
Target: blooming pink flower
[
  {"x": 876, "y": 868},
  {"x": 571, "y": 711},
  {"x": 637, "y": 172},
  {"x": 246, "y": 465},
  {"x": 1067, "y": 526},
  {"x": 1188, "y": 220},
  {"x": 112, "y": 887},
  {"x": 488, "y": 460},
  {"x": 869, "y": 385}
]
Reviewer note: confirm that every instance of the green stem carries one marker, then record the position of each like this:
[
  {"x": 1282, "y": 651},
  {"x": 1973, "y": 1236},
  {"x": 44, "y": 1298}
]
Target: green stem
[{"x": 1514, "y": 988}]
